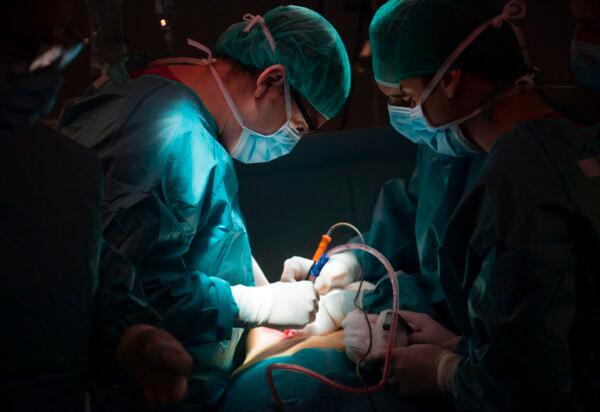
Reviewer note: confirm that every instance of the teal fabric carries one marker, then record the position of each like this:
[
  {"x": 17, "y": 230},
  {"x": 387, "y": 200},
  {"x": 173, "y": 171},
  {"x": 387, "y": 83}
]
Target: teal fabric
[
  {"x": 411, "y": 38},
  {"x": 171, "y": 209},
  {"x": 306, "y": 44},
  {"x": 519, "y": 267},
  {"x": 409, "y": 221},
  {"x": 250, "y": 392}
]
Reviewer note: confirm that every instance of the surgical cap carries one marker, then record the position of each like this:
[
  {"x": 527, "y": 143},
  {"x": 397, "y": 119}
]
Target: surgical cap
[
  {"x": 306, "y": 44},
  {"x": 411, "y": 38}
]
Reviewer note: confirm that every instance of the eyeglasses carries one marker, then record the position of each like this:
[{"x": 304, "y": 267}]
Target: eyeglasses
[{"x": 309, "y": 121}]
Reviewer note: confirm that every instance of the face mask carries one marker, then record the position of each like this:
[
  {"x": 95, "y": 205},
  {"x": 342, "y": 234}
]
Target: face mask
[
  {"x": 585, "y": 64},
  {"x": 412, "y": 123},
  {"x": 29, "y": 96},
  {"x": 255, "y": 147},
  {"x": 448, "y": 139}
]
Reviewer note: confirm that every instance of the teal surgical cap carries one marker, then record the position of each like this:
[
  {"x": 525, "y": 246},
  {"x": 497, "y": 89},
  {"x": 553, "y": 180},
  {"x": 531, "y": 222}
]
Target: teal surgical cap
[
  {"x": 306, "y": 44},
  {"x": 411, "y": 38}
]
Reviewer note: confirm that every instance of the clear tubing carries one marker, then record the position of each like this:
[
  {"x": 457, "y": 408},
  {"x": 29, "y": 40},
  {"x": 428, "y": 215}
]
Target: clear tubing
[
  {"x": 348, "y": 225},
  {"x": 390, "y": 343}
]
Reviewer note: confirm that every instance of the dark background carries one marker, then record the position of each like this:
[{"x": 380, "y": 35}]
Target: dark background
[{"x": 334, "y": 175}]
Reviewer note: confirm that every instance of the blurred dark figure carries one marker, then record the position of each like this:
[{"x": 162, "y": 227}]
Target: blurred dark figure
[
  {"x": 65, "y": 319},
  {"x": 585, "y": 48}
]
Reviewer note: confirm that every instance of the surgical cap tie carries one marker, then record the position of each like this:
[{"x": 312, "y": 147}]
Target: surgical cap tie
[
  {"x": 514, "y": 9},
  {"x": 207, "y": 61},
  {"x": 252, "y": 21}
]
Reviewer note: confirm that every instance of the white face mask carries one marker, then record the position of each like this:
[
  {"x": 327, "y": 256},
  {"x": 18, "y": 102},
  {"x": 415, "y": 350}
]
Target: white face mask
[
  {"x": 413, "y": 124},
  {"x": 448, "y": 139},
  {"x": 255, "y": 147}
]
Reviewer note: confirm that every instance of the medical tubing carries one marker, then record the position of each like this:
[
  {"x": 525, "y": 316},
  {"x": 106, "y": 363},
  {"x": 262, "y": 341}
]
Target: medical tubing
[
  {"x": 348, "y": 225},
  {"x": 390, "y": 343}
]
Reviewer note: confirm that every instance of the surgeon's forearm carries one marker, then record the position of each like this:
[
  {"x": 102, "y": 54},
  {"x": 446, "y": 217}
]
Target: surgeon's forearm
[{"x": 259, "y": 277}]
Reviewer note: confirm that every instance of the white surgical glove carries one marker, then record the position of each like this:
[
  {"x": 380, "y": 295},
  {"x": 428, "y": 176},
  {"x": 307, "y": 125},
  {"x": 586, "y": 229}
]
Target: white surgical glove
[
  {"x": 341, "y": 270},
  {"x": 295, "y": 269},
  {"x": 333, "y": 308},
  {"x": 356, "y": 336},
  {"x": 276, "y": 305}
]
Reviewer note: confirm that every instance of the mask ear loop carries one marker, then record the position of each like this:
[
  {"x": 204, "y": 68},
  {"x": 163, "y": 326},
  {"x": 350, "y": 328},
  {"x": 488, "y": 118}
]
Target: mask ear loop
[
  {"x": 258, "y": 19},
  {"x": 208, "y": 61}
]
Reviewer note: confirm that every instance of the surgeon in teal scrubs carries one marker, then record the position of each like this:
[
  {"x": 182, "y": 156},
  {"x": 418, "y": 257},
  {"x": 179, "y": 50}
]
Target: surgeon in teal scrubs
[
  {"x": 166, "y": 132},
  {"x": 518, "y": 261}
]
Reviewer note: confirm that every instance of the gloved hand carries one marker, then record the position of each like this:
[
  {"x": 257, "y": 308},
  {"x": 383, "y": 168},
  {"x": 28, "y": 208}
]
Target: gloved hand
[
  {"x": 295, "y": 269},
  {"x": 276, "y": 305},
  {"x": 333, "y": 308},
  {"x": 419, "y": 370},
  {"x": 157, "y": 362},
  {"x": 428, "y": 331},
  {"x": 356, "y": 337},
  {"x": 341, "y": 270}
]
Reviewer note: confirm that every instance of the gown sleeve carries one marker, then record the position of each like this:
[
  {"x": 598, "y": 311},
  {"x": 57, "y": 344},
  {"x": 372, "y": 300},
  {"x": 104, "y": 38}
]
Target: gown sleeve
[{"x": 519, "y": 285}]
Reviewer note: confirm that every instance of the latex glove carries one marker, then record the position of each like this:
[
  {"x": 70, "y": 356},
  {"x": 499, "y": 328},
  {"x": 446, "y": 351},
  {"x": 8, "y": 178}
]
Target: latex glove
[
  {"x": 276, "y": 305},
  {"x": 356, "y": 337},
  {"x": 333, "y": 308},
  {"x": 295, "y": 269},
  {"x": 428, "y": 331},
  {"x": 419, "y": 370},
  {"x": 157, "y": 362},
  {"x": 341, "y": 270}
]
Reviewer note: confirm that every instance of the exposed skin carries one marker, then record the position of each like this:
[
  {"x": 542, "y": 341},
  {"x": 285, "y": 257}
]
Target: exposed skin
[
  {"x": 587, "y": 14},
  {"x": 260, "y": 99},
  {"x": 459, "y": 94}
]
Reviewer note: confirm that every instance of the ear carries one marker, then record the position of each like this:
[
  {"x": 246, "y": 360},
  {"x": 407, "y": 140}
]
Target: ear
[
  {"x": 450, "y": 83},
  {"x": 272, "y": 76}
]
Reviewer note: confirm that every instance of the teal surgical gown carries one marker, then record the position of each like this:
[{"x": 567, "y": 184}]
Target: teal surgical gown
[
  {"x": 520, "y": 269},
  {"x": 171, "y": 209},
  {"x": 408, "y": 224}
]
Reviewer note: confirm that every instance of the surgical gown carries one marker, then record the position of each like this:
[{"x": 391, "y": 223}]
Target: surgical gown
[
  {"x": 408, "y": 224},
  {"x": 519, "y": 266},
  {"x": 171, "y": 208}
]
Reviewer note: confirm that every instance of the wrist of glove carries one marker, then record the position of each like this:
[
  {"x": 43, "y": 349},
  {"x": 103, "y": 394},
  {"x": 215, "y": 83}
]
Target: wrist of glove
[
  {"x": 446, "y": 370},
  {"x": 254, "y": 304},
  {"x": 277, "y": 305}
]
